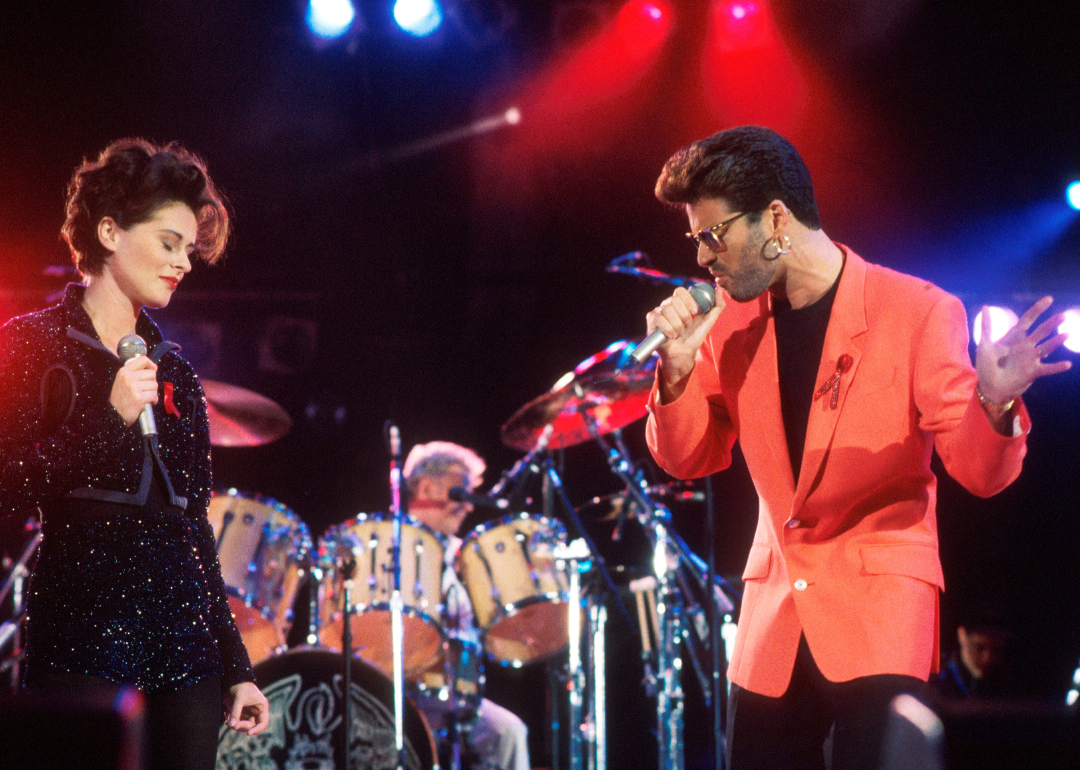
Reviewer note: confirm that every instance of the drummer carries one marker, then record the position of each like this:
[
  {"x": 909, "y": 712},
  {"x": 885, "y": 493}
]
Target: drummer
[{"x": 431, "y": 470}]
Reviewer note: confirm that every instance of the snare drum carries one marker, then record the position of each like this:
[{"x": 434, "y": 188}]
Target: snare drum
[
  {"x": 304, "y": 689},
  {"x": 261, "y": 545},
  {"x": 518, "y": 589},
  {"x": 367, "y": 539}
]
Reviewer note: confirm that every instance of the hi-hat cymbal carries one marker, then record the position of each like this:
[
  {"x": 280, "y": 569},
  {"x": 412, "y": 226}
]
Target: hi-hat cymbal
[
  {"x": 597, "y": 389},
  {"x": 241, "y": 417}
]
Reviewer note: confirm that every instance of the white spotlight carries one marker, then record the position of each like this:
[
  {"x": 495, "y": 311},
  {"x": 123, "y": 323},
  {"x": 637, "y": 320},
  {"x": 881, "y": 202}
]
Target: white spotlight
[
  {"x": 1071, "y": 326},
  {"x": 1072, "y": 195},
  {"x": 1001, "y": 320},
  {"x": 330, "y": 18},
  {"x": 418, "y": 17}
]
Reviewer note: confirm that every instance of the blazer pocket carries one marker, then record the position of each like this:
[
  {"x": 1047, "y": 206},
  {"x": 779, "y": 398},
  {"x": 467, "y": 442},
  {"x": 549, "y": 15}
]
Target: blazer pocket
[
  {"x": 758, "y": 563},
  {"x": 915, "y": 560},
  {"x": 883, "y": 382}
]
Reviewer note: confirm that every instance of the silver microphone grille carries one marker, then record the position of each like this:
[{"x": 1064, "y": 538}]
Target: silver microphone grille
[
  {"x": 131, "y": 345},
  {"x": 705, "y": 296}
]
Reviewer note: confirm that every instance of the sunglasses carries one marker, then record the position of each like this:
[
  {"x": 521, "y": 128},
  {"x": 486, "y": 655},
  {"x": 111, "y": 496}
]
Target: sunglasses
[{"x": 713, "y": 237}]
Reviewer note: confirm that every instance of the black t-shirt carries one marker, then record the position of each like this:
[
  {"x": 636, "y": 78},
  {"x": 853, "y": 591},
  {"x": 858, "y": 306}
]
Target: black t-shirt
[{"x": 800, "y": 337}]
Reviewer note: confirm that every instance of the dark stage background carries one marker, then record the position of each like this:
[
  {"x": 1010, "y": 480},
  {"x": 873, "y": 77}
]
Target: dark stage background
[{"x": 447, "y": 288}]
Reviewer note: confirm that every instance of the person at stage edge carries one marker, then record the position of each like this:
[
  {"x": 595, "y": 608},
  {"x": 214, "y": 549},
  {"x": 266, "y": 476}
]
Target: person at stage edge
[
  {"x": 127, "y": 586},
  {"x": 978, "y": 667},
  {"x": 838, "y": 378},
  {"x": 497, "y": 736}
]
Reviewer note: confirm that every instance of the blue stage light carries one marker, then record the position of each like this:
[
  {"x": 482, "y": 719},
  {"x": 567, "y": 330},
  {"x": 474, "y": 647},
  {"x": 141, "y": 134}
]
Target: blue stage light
[
  {"x": 418, "y": 17},
  {"x": 330, "y": 18},
  {"x": 1072, "y": 195}
]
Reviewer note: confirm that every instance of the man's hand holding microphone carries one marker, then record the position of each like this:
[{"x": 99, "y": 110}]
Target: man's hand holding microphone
[{"x": 685, "y": 319}]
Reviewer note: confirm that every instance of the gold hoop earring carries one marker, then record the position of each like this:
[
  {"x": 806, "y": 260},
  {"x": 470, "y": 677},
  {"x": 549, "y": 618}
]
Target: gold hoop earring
[{"x": 781, "y": 249}]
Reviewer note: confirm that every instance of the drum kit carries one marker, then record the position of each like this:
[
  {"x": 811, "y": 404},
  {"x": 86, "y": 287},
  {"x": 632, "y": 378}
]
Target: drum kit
[
  {"x": 517, "y": 587},
  {"x": 522, "y": 577}
]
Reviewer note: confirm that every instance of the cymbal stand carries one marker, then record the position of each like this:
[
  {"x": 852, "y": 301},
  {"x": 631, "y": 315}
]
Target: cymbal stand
[
  {"x": 668, "y": 555},
  {"x": 577, "y": 678},
  {"x": 576, "y": 671}
]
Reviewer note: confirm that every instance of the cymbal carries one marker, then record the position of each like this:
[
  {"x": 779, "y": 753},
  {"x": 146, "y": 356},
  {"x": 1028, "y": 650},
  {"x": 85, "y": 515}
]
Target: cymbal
[
  {"x": 608, "y": 507},
  {"x": 241, "y": 417},
  {"x": 595, "y": 388}
]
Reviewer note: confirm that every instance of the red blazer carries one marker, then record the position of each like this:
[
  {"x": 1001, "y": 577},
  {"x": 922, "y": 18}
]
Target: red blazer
[{"x": 849, "y": 556}]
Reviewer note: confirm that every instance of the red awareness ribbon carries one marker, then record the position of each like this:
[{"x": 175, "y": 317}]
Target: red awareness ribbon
[
  {"x": 842, "y": 365},
  {"x": 170, "y": 406}
]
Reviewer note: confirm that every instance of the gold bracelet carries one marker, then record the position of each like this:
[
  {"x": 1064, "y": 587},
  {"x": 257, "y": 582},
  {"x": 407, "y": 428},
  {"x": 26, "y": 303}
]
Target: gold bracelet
[{"x": 998, "y": 410}]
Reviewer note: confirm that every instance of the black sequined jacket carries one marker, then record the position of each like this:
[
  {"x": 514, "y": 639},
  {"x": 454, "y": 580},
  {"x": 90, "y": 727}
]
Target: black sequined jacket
[{"x": 127, "y": 585}]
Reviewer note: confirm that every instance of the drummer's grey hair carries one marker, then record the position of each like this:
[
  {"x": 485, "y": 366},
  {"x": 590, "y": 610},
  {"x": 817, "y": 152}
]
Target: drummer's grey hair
[{"x": 437, "y": 458}]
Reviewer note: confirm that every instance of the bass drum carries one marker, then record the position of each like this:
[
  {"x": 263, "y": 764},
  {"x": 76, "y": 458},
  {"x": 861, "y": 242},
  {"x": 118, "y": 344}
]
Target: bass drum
[{"x": 305, "y": 732}]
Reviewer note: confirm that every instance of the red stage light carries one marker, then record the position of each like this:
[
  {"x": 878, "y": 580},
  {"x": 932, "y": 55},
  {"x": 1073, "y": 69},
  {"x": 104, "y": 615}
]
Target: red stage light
[
  {"x": 740, "y": 23},
  {"x": 750, "y": 76},
  {"x": 578, "y": 96},
  {"x": 642, "y": 26}
]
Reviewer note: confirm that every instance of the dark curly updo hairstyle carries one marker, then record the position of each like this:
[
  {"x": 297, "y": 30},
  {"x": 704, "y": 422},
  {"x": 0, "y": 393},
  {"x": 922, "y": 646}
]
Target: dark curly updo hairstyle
[
  {"x": 749, "y": 167},
  {"x": 129, "y": 181}
]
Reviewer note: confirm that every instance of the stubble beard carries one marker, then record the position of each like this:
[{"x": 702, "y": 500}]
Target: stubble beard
[{"x": 754, "y": 275}]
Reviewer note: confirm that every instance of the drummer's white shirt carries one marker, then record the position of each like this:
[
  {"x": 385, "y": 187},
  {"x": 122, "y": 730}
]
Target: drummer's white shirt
[{"x": 458, "y": 619}]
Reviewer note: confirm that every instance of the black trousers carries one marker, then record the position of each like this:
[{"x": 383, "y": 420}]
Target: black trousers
[
  {"x": 790, "y": 732},
  {"x": 181, "y": 726}
]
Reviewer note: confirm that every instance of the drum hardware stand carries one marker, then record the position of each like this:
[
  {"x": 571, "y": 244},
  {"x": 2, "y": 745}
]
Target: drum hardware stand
[
  {"x": 314, "y": 578},
  {"x": 397, "y": 602},
  {"x": 582, "y": 730},
  {"x": 587, "y": 716},
  {"x": 575, "y": 671},
  {"x": 15, "y": 585},
  {"x": 674, "y": 602},
  {"x": 712, "y": 614},
  {"x": 556, "y": 685},
  {"x": 348, "y": 567},
  {"x": 598, "y": 675}
]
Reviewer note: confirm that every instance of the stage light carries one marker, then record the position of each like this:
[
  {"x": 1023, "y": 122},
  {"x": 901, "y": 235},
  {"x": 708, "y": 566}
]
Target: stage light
[
  {"x": 330, "y": 18},
  {"x": 742, "y": 23},
  {"x": 643, "y": 25},
  {"x": 1071, "y": 326},
  {"x": 1072, "y": 195},
  {"x": 418, "y": 17},
  {"x": 740, "y": 10},
  {"x": 1001, "y": 320}
]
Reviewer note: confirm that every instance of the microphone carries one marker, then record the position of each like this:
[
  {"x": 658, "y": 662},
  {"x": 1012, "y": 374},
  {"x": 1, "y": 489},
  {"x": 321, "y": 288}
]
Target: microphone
[
  {"x": 703, "y": 294},
  {"x": 524, "y": 462},
  {"x": 462, "y": 495},
  {"x": 129, "y": 347}
]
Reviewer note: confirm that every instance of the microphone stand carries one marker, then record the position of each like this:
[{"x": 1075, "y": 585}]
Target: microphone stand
[
  {"x": 348, "y": 567},
  {"x": 629, "y": 264},
  {"x": 397, "y": 602}
]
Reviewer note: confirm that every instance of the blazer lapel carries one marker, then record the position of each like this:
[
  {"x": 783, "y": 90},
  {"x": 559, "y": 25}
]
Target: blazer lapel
[
  {"x": 759, "y": 406},
  {"x": 846, "y": 322}
]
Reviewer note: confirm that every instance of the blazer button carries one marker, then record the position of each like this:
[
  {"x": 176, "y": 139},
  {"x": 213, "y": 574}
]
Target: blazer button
[
  {"x": 794, "y": 524},
  {"x": 800, "y": 585}
]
